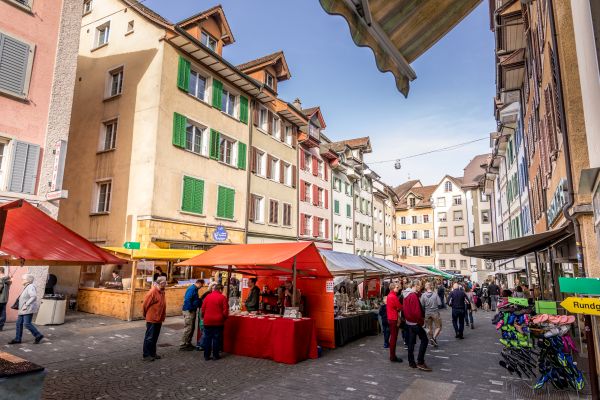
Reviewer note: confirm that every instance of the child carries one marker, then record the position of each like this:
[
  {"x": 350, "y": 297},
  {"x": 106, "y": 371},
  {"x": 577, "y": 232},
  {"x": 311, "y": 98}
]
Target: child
[{"x": 385, "y": 326}]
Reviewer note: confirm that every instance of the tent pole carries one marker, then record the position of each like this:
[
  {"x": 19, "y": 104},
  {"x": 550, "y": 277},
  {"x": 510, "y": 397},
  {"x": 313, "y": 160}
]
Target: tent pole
[
  {"x": 294, "y": 288},
  {"x": 364, "y": 284},
  {"x": 229, "y": 268}
]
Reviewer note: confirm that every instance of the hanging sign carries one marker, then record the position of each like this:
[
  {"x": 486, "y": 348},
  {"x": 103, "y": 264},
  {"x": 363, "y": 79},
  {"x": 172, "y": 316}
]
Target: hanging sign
[
  {"x": 582, "y": 305},
  {"x": 220, "y": 234},
  {"x": 132, "y": 245},
  {"x": 579, "y": 285},
  {"x": 329, "y": 286}
]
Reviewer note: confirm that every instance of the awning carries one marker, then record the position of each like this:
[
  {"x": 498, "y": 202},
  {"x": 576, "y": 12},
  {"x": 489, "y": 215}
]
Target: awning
[
  {"x": 156, "y": 253},
  {"x": 31, "y": 237},
  {"x": 517, "y": 247},
  {"x": 395, "y": 269},
  {"x": 268, "y": 259},
  {"x": 508, "y": 271},
  {"x": 441, "y": 273},
  {"x": 417, "y": 269},
  {"x": 399, "y": 31},
  {"x": 340, "y": 263}
]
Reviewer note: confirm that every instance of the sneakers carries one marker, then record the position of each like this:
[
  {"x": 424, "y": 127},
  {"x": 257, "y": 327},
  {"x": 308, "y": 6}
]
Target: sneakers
[
  {"x": 424, "y": 367},
  {"x": 397, "y": 359},
  {"x": 412, "y": 365},
  {"x": 472, "y": 326},
  {"x": 434, "y": 342},
  {"x": 156, "y": 357},
  {"x": 38, "y": 339},
  {"x": 187, "y": 347},
  {"x": 386, "y": 346},
  {"x": 14, "y": 341},
  {"x": 148, "y": 358}
]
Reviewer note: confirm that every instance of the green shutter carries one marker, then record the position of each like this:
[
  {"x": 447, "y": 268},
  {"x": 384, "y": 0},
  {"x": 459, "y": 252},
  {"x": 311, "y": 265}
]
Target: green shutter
[
  {"x": 193, "y": 195},
  {"x": 336, "y": 206},
  {"x": 217, "y": 93},
  {"x": 214, "y": 144},
  {"x": 348, "y": 211},
  {"x": 225, "y": 202},
  {"x": 243, "y": 109},
  {"x": 230, "y": 204},
  {"x": 198, "y": 197},
  {"x": 179, "y": 125},
  {"x": 221, "y": 198},
  {"x": 241, "y": 155},
  {"x": 183, "y": 74}
]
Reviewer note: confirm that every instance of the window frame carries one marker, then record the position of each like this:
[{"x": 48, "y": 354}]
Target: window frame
[
  {"x": 28, "y": 68},
  {"x": 459, "y": 217},
  {"x": 276, "y": 214},
  {"x": 259, "y": 208},
  {"x": 209, "y": 37},
  {"x": 204, "y": 137},
  {"x": 261, "y": 163},
  {"x": 110, "y": 77},
  {"x": 225, "y": 97},
  {"x": 456, "y": 229},
  {"x": 233, "y": 155},
  {"x": 103, "y": 129},
  {"x": 194, "y": 71},
  {"x": 288, "y": 134},
  {"x": 87, "y": 10},
  {"x": 267, "y": 76},
  {"x": 441, "y": 202},
  {"x": 108, "y": 196},
  {"x": 457, "y": 200},
  {"x": 443, "y": 229},
  {"x": 130, "y": 27},
  {"x": 283, "y": 216},
  {"x": 97, "y": 33}
]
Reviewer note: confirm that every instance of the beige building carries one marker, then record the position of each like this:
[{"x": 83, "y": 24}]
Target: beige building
[
  {"x": 384, "y": 200},
  {"x": 415, "y": 236}
]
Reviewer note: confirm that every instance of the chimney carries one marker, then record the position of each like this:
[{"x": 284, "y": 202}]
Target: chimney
[{"x": 297, "y": 103}]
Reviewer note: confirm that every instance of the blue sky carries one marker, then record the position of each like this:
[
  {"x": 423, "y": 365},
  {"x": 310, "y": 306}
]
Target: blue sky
[{"x": 450, "y": 101}]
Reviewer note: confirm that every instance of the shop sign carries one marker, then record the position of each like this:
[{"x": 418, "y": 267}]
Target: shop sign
[
  {"x": 132, "y": 245},
  {"x": 220, "y": 234},
  {"x": 329, "y": 286},
  {"x": 146, "y": 265},
  {"x": 60, "y": 154},
  {"x": 579, "y": 285},
  {"x": 582, "y": 305},
  {"x": 557, "y": 203},
  {"x": 518, "y": 301}
]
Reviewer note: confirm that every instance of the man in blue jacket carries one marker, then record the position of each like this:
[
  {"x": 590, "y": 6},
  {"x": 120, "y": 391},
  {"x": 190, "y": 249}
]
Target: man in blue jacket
[{"x": 191, "y": 303}]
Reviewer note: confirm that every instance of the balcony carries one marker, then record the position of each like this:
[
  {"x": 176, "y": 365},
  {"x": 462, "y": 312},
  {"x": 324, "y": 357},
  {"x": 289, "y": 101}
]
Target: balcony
[{"x": 308, "y": 140}]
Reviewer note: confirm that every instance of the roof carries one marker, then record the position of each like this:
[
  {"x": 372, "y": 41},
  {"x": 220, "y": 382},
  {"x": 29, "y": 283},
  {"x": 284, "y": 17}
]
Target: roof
[
  {"x": 399, "y": 31},
  {"x": 34, "y": 238},
  {"x": 403, "y": 189},
  {"x": 228, "y": 37},
  {"x": 269, "y": 259},
  {"x": 363, "y": 143},
  {"x": 149, "y": 13},
  {"x": 424, "y": 193},
  {"x": 155, "y": 253},
  {"x": 270, "y": 59},
  {"x": 309, "y": 112},
  {"x": 474, "y": 172}
]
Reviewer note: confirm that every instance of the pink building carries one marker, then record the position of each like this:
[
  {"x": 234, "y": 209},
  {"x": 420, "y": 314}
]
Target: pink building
[{"x": 39, "y": 41}]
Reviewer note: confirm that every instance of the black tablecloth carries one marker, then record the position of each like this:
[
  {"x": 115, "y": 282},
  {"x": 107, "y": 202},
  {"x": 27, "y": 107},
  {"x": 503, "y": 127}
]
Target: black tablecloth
[{"x": 353, "y": 327}]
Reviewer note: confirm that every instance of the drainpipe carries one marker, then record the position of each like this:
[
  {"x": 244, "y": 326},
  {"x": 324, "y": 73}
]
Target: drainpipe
[
  {"x": 589, "y": 334},
  {"x": 248, "y": 167}
]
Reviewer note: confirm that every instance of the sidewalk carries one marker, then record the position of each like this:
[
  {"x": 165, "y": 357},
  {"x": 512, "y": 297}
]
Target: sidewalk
[{"x": 93, "y": 357}]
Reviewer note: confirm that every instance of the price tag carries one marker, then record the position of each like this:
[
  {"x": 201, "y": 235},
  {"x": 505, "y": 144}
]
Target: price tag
[{"x": 329, "y": 286}]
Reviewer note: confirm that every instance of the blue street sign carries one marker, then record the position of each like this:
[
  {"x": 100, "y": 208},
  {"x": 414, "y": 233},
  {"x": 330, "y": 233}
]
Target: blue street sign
[{"x": 220, "y": 234}]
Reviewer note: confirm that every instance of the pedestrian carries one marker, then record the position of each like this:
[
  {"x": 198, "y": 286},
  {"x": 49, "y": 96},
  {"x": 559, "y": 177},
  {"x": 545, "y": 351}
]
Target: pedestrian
[
  {"x": 431, "y": 303},
  {"x": 415, "y": 319},
  {"x": 191, "y": 303},
  {"x": 215, "y": 310},
  {"x": 200, "y": 344},
  {"x": 457, "y": 301},
  {"x": 385, "y": 326},
  {"x": 485, "y": 296},
  {"x": 494, "y": 292},
  {"x": 155, "y": 311},
  {"x": 470, "y": 308},
  {"x": 253, "y": 299},
  {"x": 27, "y": 304},
  {"x": 393, "y": 309},
  {"x": 441, "y": 292},
  {"x": 5, "y": 283}
]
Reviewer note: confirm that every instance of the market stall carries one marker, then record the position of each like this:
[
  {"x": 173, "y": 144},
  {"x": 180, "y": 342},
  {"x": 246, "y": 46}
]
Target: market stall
[{"x": 290, "y": 338}]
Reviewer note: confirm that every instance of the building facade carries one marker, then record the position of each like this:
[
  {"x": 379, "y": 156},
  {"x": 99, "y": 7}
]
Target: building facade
[{"x": 384, "y": 201}]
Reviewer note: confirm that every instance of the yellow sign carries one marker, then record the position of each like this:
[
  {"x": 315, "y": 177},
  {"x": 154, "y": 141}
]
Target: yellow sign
[{"x": 582, "y": 305}]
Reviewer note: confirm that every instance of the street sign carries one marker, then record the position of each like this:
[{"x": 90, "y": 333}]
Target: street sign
[
  {"x": 132, "y": 245},
  {"x": 582, "y": 305},
  {"x": 579, "y": 285},
  {"x": 220, "y": 234}
]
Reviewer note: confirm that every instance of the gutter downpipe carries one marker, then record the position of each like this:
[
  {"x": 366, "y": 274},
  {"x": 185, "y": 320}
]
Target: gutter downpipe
[{"x": 589, "y": 334}]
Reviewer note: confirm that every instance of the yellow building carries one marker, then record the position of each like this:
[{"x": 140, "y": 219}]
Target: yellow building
[{"x": 414, "y": 224}]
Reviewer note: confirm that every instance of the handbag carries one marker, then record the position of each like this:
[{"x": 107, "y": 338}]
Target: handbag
[{"x": 15, "y": 305}]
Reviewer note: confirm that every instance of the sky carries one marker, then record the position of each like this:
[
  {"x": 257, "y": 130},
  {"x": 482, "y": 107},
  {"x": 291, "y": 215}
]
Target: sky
[{"x": 450, "y": 102}]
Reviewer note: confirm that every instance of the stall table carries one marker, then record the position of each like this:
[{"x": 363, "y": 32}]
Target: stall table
[
  {"x": 283, "y": 340},
  {"x": 352, "y": 327}
]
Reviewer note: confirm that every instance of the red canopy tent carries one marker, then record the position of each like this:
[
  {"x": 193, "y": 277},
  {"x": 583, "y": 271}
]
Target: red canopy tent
[{"x": 28, "y": 236}]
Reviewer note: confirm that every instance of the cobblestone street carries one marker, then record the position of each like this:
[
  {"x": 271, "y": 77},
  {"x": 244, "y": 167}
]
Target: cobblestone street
[{"x": 92, "y": 357}]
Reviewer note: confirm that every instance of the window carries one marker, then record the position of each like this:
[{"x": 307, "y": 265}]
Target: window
[
  {"x": 336, "y": 207},
  {"x": 269, "y": 80},
  {"x": 380, "y": 216},
  {"x": 348, "y": 234},
  {"x": 197, "y": 86},
  {"x": 274, "y": 169},
  {"x": 485, "y": 216},
  {"x": 273, "y": 212},
  {"x": 415, "y": 251},
  {"x": 348, "y": 189},
  {"x": 367, "y": 232},
  {"x": 275, "y": 127},
  {"x": 457, "y": 200},
  {"x": 108, "y": 139},
  {"x": 453, "y": 264},
  {"x": 16, "y": 59},
  {"x": 357, "y": 230},
  {"x": 287, "y": 214},
  {"x": 307, "y": 161},
  {"x": 448, "y": 186},
  {"x": 226, "y": 146},
  {"x": 411, "y": 201},
  {"x": 403, "y": 235},
  {"x": 192, "y": 198},
  {"x": 441, "y": 202},
  {"x": 103, "y": 190},
  {"x": 228, "y": 103},
  {"x": 415, "y": 234},
  {"x": 321, "y": 197},
  {"x": 102, "y": 33},
  {"x": 287, "y": 174},
  {"x": 442, "y": 217},
  {"x": 130, "y": 26},
  {"x": 263, "y": 118},
  {"x": 426, "y": 234},
  {"x": 261, "y": 163},
  {"x": 88, "y": 5},
  {"x": 463, "y": 264},
  {"x": 443, "y": 232},
  {"x": 427, "y": 250},
  {"x": 403, "y": 220},
  {"x": 307, "y": 192},
  {"x": 458, "y": 215},
  {"x": 115, "y": 82},
  {"x": 196, "y": 138},
  {"x": 321, "y": 169},
  {"x": 287, "y": 135},
  {"x": 307, "y": 225},
  {"x": 22, "y": 177},
  {"x": 442, "y": 263},
  {"x": 208, "y": 41},
  {"x": 225, "y": 202},
  {"x": 459, "y": 231},
  {"x": 456, "y": 248},
  {"x": 257, "y": 208},
  {"x": 484, "y": 197},
  {"x": 348, "y": 211},
  {"x": 487, "y": 238},
  {"x": 321, "y": 227},
  {"x": 425, "y": 218},
  {"x": 337, "y": 232},
  {"x": 414, "y": 219}
]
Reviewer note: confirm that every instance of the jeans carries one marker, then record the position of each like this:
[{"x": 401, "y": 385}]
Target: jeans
[
  {"x": 458, "y": 320},
  {"x": 393, "y": 339},
  {"x": 189, "y": 319},
  {"x": 26, "y": 320},
  {"x": 494, "y": 301},
  {"x": 414, "y": 331},
  {"x": 2, "y": 315},
  {"x": 151, "y": 338},
  {"x": 468, "y": 316},
  {"x": 386, "y": 334},
  {"x": 214, "y": 335}
]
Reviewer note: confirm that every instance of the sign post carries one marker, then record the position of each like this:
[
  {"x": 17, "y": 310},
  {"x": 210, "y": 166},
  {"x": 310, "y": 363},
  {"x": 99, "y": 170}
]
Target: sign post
[
  {"x": 579, "y": 285},
  {"x": 582, "y": 305}
]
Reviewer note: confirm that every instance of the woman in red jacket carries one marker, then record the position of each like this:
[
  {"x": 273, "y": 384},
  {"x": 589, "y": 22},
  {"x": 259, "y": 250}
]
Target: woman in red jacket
[
  {"x": 215, "y": 311},
  {"x": 393, "y": 312}
]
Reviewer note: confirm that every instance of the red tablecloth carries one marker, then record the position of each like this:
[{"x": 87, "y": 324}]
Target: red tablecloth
[{"x": 280, "y": 339}]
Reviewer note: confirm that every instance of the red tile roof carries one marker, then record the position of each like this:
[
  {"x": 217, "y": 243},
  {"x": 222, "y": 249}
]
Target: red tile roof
[{"x": 260, "y": 60}]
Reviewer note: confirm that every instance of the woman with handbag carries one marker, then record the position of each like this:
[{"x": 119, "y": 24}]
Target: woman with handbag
[{"x": 27, "y": 304}]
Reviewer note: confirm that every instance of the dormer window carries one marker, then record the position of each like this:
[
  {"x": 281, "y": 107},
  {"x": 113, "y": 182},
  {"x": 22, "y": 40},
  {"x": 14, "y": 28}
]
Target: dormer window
[
  {"x": 269, "y": 80},
  {"x": 313, "y": 131},
  {"x": 411, "y": 201},
  {"x": 208, "y": 41}
]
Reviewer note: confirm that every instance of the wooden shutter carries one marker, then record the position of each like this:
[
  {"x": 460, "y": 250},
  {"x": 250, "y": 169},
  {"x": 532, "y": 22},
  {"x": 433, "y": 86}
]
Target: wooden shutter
[
  {"x": 294, "y": 176},
  {"x": 315, "y": 166},
  {"x": 281, "y": 171},
  {"x": 241, "y": 161},
  {"x": 302, "y": 224},
  {"x": 251, "y": 209},
  {"x": 214, "y": 144},
  {"x": 253, "y": 160},
  {"x": 244, "y": 110},
  {"x": 23, "y": 176},
  {"x": 183, "y": 74},
  {"x": 326, "y": 229},
  {"x": 14, "y": 65},
  {"x": 255, "y": 113},
  {"x": 269, "y": 167},
  {"x": 294, "y": 136},
  {"x": 302, "y": 160},
  {"x": 217, "y": 93},
  {"x": 269, "y": 122},
  {"x": 315, "y": 196},
  {"x": 302, "y": 191},
  {"x": 315, "y": 227},
  {"x": 325, "y": 171},
  {"x": 179, "y": 126},
  {"x": 326, "y": 199}
]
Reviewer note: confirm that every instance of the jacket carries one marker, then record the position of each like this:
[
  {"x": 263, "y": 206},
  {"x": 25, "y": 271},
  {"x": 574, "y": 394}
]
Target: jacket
[
  {"x": 191, "y": 300},
  {"x": 393, "y": 306},
  {"x": 457, "y": 299},
  {"x": 430, "y": 302},
  {"x": 252, "y": 299},
  {"x": 412, "y": 311},
  {"x": 494, "y": 290},
  {"x": 28, "y": 303},
  {"x": 155, "y": 306},
  {"x": 4, "y": 288},
  {"x": 215, "y": 309},
  {"x": 383, "y": 315}
]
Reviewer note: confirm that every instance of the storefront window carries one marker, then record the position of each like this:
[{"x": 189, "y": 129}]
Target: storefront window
[{"x": 101, "y": 276}]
